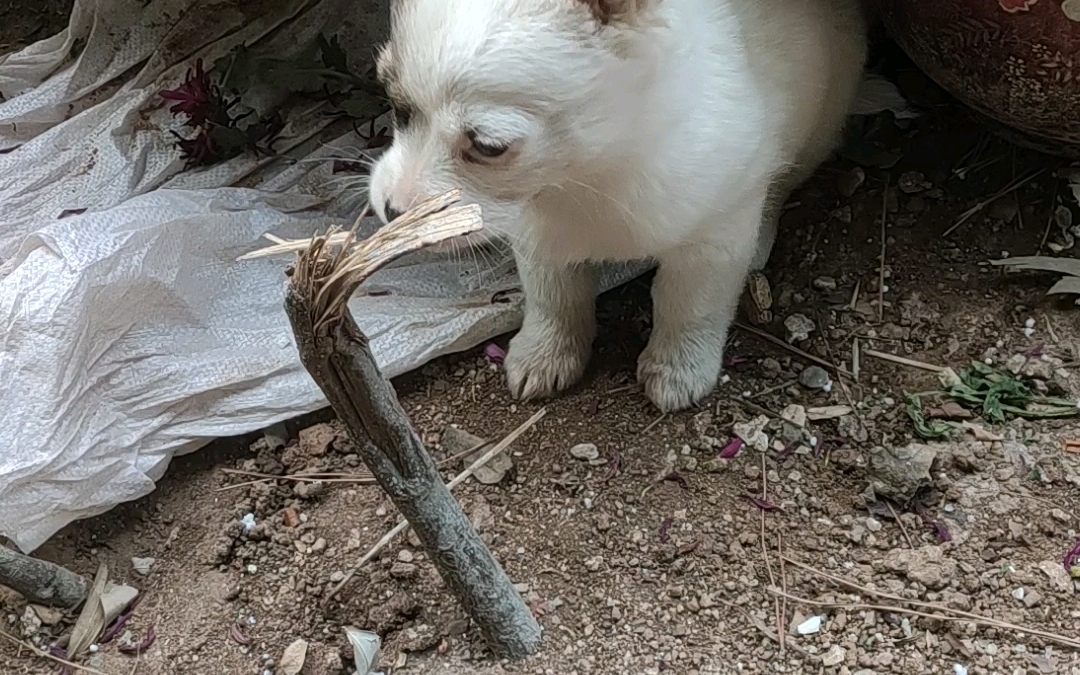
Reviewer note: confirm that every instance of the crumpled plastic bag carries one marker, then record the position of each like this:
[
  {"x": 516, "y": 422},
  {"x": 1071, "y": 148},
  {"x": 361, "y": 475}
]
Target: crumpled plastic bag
[{"x": 129, "y": 333}]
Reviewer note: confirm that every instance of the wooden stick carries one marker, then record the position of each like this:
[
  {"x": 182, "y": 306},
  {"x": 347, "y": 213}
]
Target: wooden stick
[
  {"x": 794, "y": 350},
  {"x": 457, "y": 480},
  {"x": 41, "y": 582},
  {"x": 904, "y": 361},
  {"x": 933, "y": 611},
  {"x": 336, "y": 353}
]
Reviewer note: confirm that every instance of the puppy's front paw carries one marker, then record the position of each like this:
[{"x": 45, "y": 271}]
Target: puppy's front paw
[
  {"x": 543, "y": 361},
  {"x": 678, "y": 374}
]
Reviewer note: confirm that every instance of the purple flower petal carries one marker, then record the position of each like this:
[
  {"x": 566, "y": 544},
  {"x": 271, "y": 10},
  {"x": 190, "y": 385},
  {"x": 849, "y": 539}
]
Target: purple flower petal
[
  {"x": 1072, "y": 557},
  {"x": 942, "y": 531},
  {"x": 141, "y": 648},
  {"x": 732, "y": 448},
  {"x": 495, "y": 353}
]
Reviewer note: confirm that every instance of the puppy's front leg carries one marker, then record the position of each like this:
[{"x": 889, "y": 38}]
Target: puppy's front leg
[
  {"x": 552, "y": 348},
  {"x": 695, "y": 294}
]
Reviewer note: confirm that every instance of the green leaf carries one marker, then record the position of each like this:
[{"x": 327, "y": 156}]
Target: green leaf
[
  {"x": 1041, "y": 263},
  {"x": 929, "y": 429}
]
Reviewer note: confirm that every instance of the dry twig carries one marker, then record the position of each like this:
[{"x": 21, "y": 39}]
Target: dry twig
[
  {"x": 497, "y": 449},
  {"x": 1013, "y": 185},
  {"x": 41, "y": 581},
  {"x": 904, "y": 361},
  {"x": 46, "y": 655},
  {"x": 337, "y": 355},
  {"x": 881, "y": 271},
  {"x": 794, "y": 350},
  {"x": 933, "y": 611}
]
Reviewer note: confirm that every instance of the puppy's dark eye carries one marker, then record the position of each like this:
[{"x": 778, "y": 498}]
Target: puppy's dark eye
[{"x": 486, "y": 149}]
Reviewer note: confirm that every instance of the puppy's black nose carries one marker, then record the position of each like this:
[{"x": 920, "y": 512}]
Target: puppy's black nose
[{"x": 391, "y": 212}]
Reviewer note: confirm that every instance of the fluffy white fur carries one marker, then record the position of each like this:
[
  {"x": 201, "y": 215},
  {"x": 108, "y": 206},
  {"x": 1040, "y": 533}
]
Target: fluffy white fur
[{"x": 664, "y": 129}]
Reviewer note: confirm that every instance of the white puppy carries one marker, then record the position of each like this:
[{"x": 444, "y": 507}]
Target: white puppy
[{"x": 611, "y": 130}]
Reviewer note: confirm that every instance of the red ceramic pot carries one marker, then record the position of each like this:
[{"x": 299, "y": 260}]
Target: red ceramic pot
[{"x": 1015, "y": 61}]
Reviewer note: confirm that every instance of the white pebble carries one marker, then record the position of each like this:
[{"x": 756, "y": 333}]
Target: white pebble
[
  {"x": 1028, "y": 332},
  {"x": 252, "y": 569},
  {"x": 93, "y": 649},
  {"x": 1029, "y": 323},
  {"x": 248, "y": 521},
  {"x": 959, "y": 669},
  {"x": 810, "y": 626}
]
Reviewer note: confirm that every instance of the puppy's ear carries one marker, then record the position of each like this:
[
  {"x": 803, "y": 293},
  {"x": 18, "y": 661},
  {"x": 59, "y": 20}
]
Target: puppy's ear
[{"x": 616, "y": 11}]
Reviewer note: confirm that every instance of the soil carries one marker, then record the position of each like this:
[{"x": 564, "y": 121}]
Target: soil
[{"x": 653, "y": 558}]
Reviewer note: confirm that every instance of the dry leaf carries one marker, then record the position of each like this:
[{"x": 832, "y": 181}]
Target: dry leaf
[
  {"x": 1070, "y": 267},
  {"x": 292, "y": 660},
  {"x": 456, "y": 441},
  {"x": 91, "y": 621},
  {"x": 827, "y": 412},
  {"x": 980, "y": 433}
]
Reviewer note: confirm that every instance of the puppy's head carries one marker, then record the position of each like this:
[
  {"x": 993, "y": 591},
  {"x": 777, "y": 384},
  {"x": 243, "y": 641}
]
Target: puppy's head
[{"x": 504, "y": 98}]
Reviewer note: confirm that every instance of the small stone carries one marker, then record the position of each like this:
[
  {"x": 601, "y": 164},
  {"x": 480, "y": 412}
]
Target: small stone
[
  {"x": 585, "y": 452},
  {"x": 814, "y": 377},
  {"x": 873, "y": 524},
  {"x": 1019, "y": 593},
  {"x": 810, "y": 626},
  {"x": 825, "y": 284},
  {"x": 1060, "y": 581},
  {"x": 1015, "y": 363},
  {"x": 289, "y": 518},
  {"x": 336, "y": 577},
  {"x": 1060, "y": 516},
  {"x": 405, "y": 555},
  {"x": 929, "y": 566},
  {"x": 400, "y": 570},
  {"x": 319, "y": 546},
  {"x": 799, "y": 327},
  {"x": 142, "y": 565},
  {"x": 752, "y": 433},
  {"x": 834, "y": 657},
  {"x": 911, "y": 182},
  {"x": 1032, "y": 599}
]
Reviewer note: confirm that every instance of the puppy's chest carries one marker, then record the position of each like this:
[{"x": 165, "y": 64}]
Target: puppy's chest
[{"x": 575, "y": 231}]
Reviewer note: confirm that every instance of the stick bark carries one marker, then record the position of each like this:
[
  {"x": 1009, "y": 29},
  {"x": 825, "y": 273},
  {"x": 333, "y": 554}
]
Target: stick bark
[
  {"x": 337, "y": 356},
  {"x": 41, "y": 582}
]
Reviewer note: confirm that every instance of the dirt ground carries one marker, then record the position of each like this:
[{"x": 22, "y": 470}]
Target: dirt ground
[{"x": 658, "y": 556}]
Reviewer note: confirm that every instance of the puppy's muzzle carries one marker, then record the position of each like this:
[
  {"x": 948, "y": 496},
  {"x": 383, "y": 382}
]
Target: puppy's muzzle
[{"x": 390, "y": 211}]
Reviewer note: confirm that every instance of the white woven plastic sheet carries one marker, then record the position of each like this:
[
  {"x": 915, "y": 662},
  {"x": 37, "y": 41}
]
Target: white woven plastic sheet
[{"x": 128, "y": 331}]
